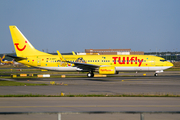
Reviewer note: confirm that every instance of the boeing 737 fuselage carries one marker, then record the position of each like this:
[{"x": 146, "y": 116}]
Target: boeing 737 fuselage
[{"x": 103, "y": 64}]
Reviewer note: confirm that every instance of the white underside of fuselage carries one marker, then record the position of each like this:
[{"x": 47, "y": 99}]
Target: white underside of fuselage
[
  {"x": 118, "y": 69},
  {"x": 146, "y": 69},
  {"x": 61, "y": 69}
]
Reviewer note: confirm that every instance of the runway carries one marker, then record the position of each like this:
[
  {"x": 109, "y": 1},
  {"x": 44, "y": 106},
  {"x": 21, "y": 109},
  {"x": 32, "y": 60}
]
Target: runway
[
  {"x": 163, "y": 84},
  {"x": 90, "y": 104}
]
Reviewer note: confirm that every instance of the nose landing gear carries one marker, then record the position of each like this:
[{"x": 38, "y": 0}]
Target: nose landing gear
[{"x": 155, "y": 74}]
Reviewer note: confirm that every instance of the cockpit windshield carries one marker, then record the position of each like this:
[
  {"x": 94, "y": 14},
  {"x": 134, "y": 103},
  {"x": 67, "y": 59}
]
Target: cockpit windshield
[{"x": 162, "y": 60}]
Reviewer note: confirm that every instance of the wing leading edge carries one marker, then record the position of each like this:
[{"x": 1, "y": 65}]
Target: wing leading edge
[{"x": 85, "y": 66}]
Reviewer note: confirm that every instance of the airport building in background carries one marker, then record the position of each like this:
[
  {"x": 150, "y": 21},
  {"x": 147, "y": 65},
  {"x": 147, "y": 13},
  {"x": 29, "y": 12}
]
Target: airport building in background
[
  {"x": 170, "y": 56},
  {"x": 113, "y": 52}
]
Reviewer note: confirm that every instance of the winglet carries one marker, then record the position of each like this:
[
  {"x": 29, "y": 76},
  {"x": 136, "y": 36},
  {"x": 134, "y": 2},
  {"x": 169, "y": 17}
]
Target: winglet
[
  {"x": 3, "y": 57},
  {"x": 73, "y": 53},
  {"x": 60, "y": 56}
]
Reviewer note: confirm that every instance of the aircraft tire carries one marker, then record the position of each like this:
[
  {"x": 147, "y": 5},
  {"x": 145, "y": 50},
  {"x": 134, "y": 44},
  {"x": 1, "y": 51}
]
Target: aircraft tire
[
  {"x": 155, "y": 74},
  {"x": 90, "y": 75}
]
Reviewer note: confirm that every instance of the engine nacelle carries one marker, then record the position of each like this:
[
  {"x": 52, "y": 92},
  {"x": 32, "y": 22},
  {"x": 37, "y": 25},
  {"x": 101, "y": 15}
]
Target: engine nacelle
[{"x": 107, "y": 70}]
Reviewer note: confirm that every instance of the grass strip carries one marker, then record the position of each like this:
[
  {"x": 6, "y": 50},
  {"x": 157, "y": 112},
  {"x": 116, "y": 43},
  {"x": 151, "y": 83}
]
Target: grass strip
[{"x": 90, "y": 95}]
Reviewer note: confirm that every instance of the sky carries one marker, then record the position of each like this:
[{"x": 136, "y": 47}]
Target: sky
[{"x": 76, "y": 25}]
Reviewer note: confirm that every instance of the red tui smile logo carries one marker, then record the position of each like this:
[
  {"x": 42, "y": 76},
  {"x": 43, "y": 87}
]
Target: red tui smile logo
[{"x": 20, "y": 49}]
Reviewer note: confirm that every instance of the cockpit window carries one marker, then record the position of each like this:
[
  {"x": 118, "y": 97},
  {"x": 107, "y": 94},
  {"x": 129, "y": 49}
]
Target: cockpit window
[{"x": 162, "y": 60}]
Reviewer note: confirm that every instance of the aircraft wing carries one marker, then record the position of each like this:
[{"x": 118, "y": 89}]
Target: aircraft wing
[
  {"x": 85, "y": 66},
  {"x": 80, "y": 65}
]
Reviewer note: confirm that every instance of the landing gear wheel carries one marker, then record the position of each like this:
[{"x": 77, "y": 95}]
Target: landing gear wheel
[
  {"x": 155, "y": 74},
  {"x": 90, "y": 75}
]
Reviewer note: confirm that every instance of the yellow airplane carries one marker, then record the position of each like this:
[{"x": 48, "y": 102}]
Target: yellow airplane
[
  {"x": 103, "y": 64},
  {"x": 6, "y": 62}
]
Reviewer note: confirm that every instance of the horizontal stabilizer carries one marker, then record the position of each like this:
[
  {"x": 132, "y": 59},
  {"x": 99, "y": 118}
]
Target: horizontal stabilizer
[{"x": 17, "y": 58}]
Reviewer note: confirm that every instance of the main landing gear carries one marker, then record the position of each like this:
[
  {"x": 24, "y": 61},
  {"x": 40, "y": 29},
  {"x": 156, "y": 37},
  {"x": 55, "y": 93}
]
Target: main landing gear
[
  {"x": 90, "y": 74},
  {"x": 155, "y": 74}
]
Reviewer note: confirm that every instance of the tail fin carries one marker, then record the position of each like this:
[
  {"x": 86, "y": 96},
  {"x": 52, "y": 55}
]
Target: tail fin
[{"x": 22, "y": 46}]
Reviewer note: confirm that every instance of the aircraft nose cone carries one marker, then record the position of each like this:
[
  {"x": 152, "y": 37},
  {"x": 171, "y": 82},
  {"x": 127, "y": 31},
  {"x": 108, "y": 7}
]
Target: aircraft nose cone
[{"x": 169, "y": 64}]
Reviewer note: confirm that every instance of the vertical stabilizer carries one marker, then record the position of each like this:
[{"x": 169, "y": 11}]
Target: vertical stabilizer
[{"x": 22, "y": 46}]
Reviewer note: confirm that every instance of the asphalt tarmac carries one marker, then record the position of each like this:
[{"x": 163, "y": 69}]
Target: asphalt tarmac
[
  {"x": 168, "y": 83},
  {"x": 90, "y": 104}
]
